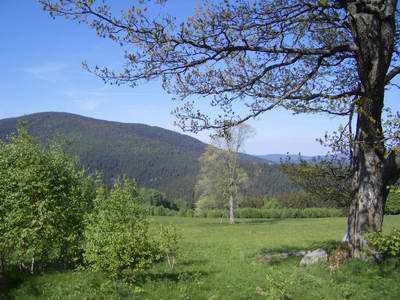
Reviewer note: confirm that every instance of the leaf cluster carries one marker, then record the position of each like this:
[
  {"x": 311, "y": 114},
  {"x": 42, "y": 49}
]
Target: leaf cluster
[
  {"x": 117, "y": 237},
  {"x": 327, "y": 180},
  {"x": 387, "y": 245},
  {"x": 44, "y": 196}
]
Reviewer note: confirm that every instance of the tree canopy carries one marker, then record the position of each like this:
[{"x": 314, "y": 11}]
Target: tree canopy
[
  {"x": 248, "y": 57},
  {"x": 300, "y": 55}
]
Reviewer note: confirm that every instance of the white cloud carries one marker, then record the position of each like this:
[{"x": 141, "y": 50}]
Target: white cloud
[
  {"x": 87, "y": 105},
  {"x": 51, "y": 72},
  {"x": 87, "y": 100}
]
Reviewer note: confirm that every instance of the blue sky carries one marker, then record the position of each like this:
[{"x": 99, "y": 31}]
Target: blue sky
[{"x": 41, "y": 71}]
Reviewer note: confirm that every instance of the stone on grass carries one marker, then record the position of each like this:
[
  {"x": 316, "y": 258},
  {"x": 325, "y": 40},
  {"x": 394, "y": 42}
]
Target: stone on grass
[{"x": 313, "y": 257}]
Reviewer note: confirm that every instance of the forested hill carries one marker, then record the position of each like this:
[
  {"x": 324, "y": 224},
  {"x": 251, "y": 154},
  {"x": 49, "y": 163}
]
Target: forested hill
[{"x": 155, "y": 157}]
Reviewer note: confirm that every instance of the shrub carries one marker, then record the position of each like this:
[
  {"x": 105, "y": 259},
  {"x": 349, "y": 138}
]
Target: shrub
[
  {"x": 117, "y": 236},
  {"x": 168, "y": 244},
  {"x": 44, "y": 197},
  {"x": 272, "y": 203},
  {"x": 186, "y": 213},
  {"x": 387, "y": 245},
  {"x": 298, "y": 200},
  {"x": 393, "y": 202},
  {"x": 153, "y": 197},
  {"x": 251, "y": 201},
  {"x": 275, "y": 213},
  {"x": 161, "y": 211},
  {"x": 248, "y": 212},
  {"x": 216, "y": 213}
]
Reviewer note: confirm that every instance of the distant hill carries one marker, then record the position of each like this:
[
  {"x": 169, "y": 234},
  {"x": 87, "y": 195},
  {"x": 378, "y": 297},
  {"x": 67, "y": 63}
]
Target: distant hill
[
  {"x": 294, "y": 158},
  {"x": 153, "y": 156}
]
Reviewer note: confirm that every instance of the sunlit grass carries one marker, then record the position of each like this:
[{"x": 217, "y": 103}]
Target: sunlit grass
[{"x": 220, "y": 261}]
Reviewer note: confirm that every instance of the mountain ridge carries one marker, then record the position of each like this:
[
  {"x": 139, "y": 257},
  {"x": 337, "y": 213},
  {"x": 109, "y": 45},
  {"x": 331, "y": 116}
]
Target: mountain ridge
[
  {"x": 155, "y": 157},
  {"x": 294, "y": 158}
]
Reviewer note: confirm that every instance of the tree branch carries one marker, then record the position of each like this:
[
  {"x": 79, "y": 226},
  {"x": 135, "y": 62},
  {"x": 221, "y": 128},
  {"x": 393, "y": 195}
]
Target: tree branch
[{"x": 392, "y": 74}]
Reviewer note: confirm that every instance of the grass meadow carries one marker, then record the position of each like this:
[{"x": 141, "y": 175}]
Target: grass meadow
[{"x": 221, "y": 261}]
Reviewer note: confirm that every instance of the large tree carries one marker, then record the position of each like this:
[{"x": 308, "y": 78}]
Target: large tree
[{"x": 336, "y": 57}]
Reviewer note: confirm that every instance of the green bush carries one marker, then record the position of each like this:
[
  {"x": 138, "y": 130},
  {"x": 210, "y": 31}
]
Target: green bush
[
  {"x": 393, "y": 202},
  {"x": 168, "y": 244},
  {"x": 186, "y": 213},
  {"x": 161, "y": 211},
  {"x": 117, "y": 233},
  {"x": 44, "y": 197},
  {"x": 272, "y": 203},
  {"x": 153, "y": 197},
  {"x": 217, "y": 213},
  {"x": 248, "y": 212},
  {"x": 387, "y": 245}
]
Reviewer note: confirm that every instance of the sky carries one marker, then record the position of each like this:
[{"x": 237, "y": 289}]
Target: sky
[{"x": 41, "y": 71}]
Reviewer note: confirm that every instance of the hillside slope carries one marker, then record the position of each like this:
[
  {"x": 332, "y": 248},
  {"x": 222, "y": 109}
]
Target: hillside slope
[{"x": 155, "y": 157}]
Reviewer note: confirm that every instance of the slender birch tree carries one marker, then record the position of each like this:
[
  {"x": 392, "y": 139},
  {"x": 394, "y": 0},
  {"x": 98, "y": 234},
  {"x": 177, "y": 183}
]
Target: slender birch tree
[{"x": 220, "y": 174}]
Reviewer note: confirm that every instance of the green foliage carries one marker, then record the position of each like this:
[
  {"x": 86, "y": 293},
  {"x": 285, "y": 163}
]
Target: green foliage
[
  {"x": 206, "y": 202},
  {"x": 161, "y": 211},
  {"x": 221, "y": 180},
  {"x": 386, "y": 244},
  {"x": 393, "y": 202},
  {"x": 326, "y": 182},
  {"x": 272, "y": 203},
  {"x": 168, "y": 244},
  {"x": 299, "y": 200},
  {"x": 249, "y": 212},
  {"x": 278, "y": 286},
  {"x": 117, "y": 239},
  {"x": 153, "y": 197},
  {"x": 251, "y": 201},
  {"x": 213, "y": 186},
  {"x": 186, "y": 213},
  {"x": 44, "y": 197}
]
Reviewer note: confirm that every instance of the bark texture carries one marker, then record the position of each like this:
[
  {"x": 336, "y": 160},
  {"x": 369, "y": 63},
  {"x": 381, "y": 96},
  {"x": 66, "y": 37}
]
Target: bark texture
[
  {"x": 231, "y": 210},
  {"x": 373, "y": 27}
]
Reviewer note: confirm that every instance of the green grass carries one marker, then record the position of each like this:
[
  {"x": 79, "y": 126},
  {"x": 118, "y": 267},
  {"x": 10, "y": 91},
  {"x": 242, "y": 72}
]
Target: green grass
[{"x": 220, "y": 261}]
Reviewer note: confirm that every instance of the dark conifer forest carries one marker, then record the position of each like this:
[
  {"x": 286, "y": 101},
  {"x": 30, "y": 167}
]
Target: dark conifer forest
[{"x": 155, "y": 157}]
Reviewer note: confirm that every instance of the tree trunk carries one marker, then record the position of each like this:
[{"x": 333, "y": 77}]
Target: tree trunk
[
  {"x": 373, "y": 30},
  {"x": 374, "y": 172},
  {"x": 32, "y": 269},
  {"x": 231, "y": 210},
  {"x": 369, "y": 198}
]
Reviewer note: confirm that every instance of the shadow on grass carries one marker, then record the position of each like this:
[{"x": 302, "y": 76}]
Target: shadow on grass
[
  {"x": 11, "y": 279},
  {"x": 278, "y": 255},
  {"x": 31, "y": 284},
  {"x": 260, "y": 221},
  {"x": 193, "y": 262},
  {"x": 328, "y": 245},
  {"x": 174, "y": 276},
  {"x": 14, "y": 277}
]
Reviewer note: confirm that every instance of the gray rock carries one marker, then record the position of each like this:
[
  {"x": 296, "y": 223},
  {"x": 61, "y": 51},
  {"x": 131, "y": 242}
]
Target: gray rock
[
  {"x": 313, "y": 257},
  {"x": 279, "y": 256}
]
